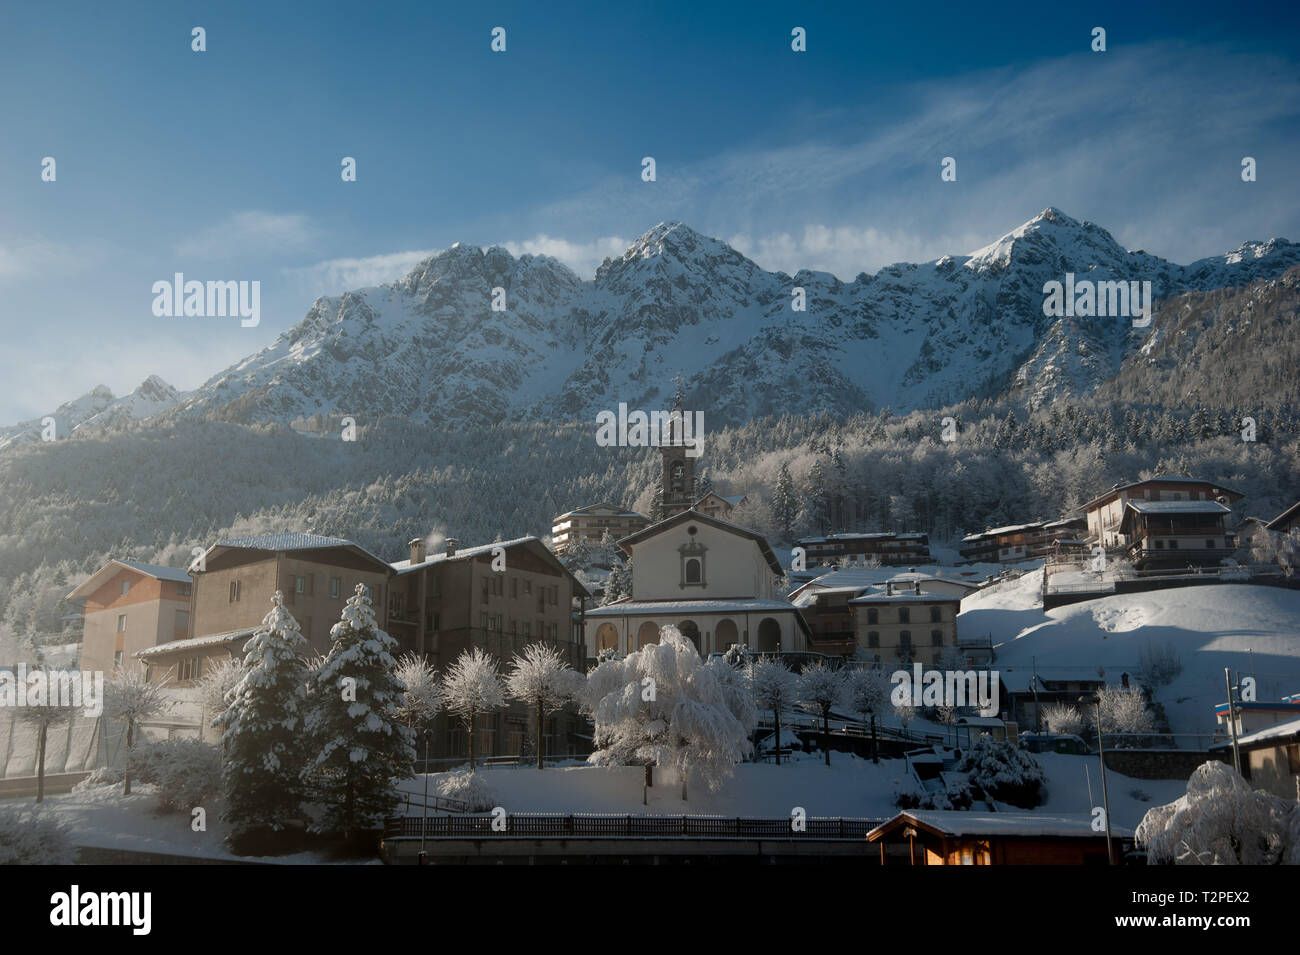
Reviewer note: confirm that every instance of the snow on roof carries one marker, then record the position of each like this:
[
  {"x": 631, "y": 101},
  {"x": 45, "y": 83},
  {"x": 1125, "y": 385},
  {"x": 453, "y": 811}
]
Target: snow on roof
[
  {"x": 608, "y": 510},
  {"x": 404, "y": 566},
  {"x": 1291, "y": 728},
  {"x": 291, "y": 540},
  {"x": 1179, "y": 507},
  {"x": 194, "y": 643},
  {"x": 875, "y": 535},
  {"x": 1013, "y": 824},
  {"x": 179, "y": 574},
  {"x": 630, "y": 607}
]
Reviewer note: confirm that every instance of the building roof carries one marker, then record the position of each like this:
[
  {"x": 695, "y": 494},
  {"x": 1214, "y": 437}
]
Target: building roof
[
  {"x": 1179, "y": 507},
  {"x": 482, "y": 550},
  {"x": 290, "y": 541},
  {"x": 609, "y": 509},
  {"x": 954, "y": 823},
  {"x": 907, "y": 596},
  {"x": 101, "y": 576},
  {"x": 693, "y": 515},
  {"x": 687, "y": 608},
  {"x": 874, "y": 535},
  {"x": 194, "y": 643},
  {"x": 864, "y": 577},
  {"x": 1281, "y": 730},
  {"x": 1289, "y": 516},
  {"x": 1163, "y": 479}
]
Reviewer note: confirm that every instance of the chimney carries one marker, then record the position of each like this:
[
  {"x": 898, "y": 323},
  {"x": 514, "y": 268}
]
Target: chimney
[
  {"x": 451, "y": 546},
  {"x": 417, "y": 550},
  {"x": 916, "y": 586}
]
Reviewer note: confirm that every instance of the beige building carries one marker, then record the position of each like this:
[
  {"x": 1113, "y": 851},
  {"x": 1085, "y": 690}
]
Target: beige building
[
  {"x": 592, "y": 523},
  {"x": 233, "y": 590},
  {"x": 903, "y": 623},
  {"x": 713, "y": 580},
  {"x": 128, "y": 607},
  {"x": 718, "y": 505}
]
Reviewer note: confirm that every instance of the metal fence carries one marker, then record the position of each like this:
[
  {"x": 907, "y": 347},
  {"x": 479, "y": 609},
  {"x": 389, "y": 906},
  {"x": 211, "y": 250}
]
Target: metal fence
[{"x": 544, "y": 826}]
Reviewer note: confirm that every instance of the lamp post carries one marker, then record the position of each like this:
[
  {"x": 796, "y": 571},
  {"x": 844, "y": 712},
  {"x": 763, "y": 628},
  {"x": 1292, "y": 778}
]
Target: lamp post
[
  {"x": 1101, "y": 755},
  {"x": 424, "y": 821}
]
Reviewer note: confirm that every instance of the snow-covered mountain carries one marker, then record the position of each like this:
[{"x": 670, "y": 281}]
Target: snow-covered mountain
[
  {"x": 431, "y": 347},
  {"x": 98, "y": 410}
]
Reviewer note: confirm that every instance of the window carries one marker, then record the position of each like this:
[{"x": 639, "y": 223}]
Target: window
[
  {"x": 483, "y": 621},
  {"x": 183, "y": 590},
  {"x": 1293, "y": 757},
  {"x": 936, "y": 614},
  {"x": 1160, "y": 545},
  {"x": 936, "y": 638},
  {"x": 514, "y": 586},
  {"x": 191, "y": 668},
  {"x": 873, "y": 615},
  {"x": 1209, "y": 545},
  {"x": 693, "y": 571},
  {"x": 336, "y": 587},
  {"x": 126, "y": 586},
  {"x": 234, "y": 591},
  {"x": 905, "y": 640},
  {"x": 121, "y": 623},
  {"x": 1173, "y": 545},
  {"x": 528, "y": 586},
  {"x": 486, "y": 589},
  {"x": 300, "y": 584},
  {"x": 183, "y": 620},
  {"x": 396, "y": 604},
  {"x": 904, "y": 614},
  {"x": 873, "y": 638},
  {"x": 528, "y": 629}
]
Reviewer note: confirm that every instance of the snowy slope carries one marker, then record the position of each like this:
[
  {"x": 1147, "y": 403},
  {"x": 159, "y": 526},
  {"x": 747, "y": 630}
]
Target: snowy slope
[{"x": 1210, "y": 627}]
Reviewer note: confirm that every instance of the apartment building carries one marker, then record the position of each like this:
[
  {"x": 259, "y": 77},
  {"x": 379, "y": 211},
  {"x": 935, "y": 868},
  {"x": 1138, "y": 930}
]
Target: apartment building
[
  {"x": 903, "y": 623},
  {"x": 592, "y": 523}
]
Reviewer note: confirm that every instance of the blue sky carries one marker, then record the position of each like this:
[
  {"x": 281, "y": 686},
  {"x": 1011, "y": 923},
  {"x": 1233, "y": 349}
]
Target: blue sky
[{"x": 225, "y": 164}]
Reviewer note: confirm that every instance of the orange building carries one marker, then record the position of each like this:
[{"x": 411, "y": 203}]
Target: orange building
[{"x": 131, "y": 606}]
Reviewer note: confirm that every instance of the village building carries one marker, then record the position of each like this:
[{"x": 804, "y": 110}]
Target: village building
[
  {"x": 1104, "y": 514},
  {"x": 713, "y": 580},
  {"x": 903, "y": 623},
  {"x": 1270, "y": 758},
  {"x": 718, "y": 505},
  {"x": 1287, "y": 521},
  {"x": 888, "y": 548},
  {"x": 233, "y": 589},
  {"x": 129, "y": 606},
  {"x": 948, "y": 837},
  {"x": 1018, "y": 542},
  {"x": 1176, "y": 533},
  {"x": 590, "y": 524}
]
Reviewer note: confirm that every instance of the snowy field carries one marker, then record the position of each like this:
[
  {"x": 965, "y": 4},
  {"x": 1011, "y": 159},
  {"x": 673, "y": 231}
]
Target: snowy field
[
  {"x": 1249, "y": 628},
  {"x": 850, "y": 787}
]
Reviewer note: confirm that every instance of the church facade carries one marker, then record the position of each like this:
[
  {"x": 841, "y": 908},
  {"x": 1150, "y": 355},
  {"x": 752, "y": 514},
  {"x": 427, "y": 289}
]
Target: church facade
[{"x": 713, "y": 580}]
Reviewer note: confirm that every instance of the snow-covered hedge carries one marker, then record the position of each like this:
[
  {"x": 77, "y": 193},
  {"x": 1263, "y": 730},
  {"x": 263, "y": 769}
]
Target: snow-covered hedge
[
  {"x": 469, "y": 788},
  {"x": 30, "y": 837},
  {"x": 1004, "y": 772},
  {"x": 185, "y": 772}
]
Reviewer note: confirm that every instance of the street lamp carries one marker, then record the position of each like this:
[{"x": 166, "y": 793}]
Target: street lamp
[{"x": 1101, "y": 755}]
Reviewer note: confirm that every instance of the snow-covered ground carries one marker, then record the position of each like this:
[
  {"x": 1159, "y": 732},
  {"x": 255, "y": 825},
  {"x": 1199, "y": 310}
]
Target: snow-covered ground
[
  {"x": 1248, "y": 628},
  {"x": 851, "y": 787}
]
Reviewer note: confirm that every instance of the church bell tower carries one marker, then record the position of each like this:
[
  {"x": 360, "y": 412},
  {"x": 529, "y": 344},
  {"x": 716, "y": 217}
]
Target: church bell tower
[{"x": 679, "y": 468}]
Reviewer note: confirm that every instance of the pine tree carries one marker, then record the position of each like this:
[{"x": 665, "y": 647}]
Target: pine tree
[
  {"x": 353, "y": 724},
  {"x": 785, "y": 506},
  {"x": 263, "y": 727}
]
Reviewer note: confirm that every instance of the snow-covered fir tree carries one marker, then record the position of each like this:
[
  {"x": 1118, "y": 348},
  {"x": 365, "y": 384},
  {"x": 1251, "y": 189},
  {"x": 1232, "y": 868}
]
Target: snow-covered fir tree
[
  {"x": 541, "y": 679},
  {"x": 263, "y": 721},
  {"x": 472, "y": 687},
  {"x": 359, "y": 746},
  {"x": 662, "y": 706}
]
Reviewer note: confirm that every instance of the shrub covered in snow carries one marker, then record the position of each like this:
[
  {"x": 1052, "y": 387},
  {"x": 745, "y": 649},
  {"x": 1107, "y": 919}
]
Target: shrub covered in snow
[
  {"x": 31, "y": 837},
  {"x": 1222, "y": 821},
  {"x": 185, "y": 772},
  {"x": 104, "y": 776},
  {"x": 470, "y": 788},
  {"x": 1004, "y": 772}
]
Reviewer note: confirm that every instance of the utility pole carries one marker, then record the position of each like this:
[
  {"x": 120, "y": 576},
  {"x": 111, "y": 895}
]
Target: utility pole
[
  {"x": 1232, "y": 722},
  {"x": 1105, "y": 794}
]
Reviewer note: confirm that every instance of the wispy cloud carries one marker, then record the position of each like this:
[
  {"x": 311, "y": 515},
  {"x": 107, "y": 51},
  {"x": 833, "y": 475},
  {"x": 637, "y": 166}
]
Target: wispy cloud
[
  {"x": 22, "y": 259},
  {"x": 250, "y": 233},
  {"x": 334, "y": 276}
]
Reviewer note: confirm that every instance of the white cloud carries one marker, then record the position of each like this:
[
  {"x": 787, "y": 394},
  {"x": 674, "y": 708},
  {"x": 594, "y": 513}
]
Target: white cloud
[
  {"x": 250, "y": 233},
  {"x": 582, "y": 257},
  {"x": 26, "y": 258},
  {"x": 334, "y": 276},
  {"x": 846, "y": 251}
]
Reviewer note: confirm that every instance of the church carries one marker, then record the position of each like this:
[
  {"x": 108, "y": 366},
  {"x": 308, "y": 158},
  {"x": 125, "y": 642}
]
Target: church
[{"x": 713, "y": 580}]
